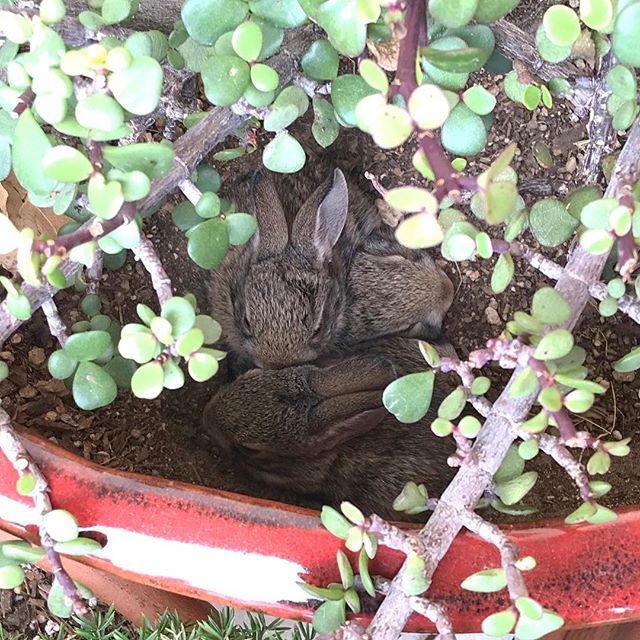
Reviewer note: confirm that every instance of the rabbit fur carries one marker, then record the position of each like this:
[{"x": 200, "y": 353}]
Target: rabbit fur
[
  {"x": 321, "y": 277},
  {"x": 323, "y": 433}
]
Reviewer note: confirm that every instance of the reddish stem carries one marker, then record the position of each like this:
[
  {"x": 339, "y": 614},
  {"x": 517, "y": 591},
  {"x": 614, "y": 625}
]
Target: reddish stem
[{"x": 95, "y": 229}]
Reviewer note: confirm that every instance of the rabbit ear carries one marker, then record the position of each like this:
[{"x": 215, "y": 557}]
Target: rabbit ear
[
  {"x": 272, "y": 235},
  {"x": 336, "y": 433},
  {"x": 352, "y": 375},
  {"x": 321, "y": 219}
]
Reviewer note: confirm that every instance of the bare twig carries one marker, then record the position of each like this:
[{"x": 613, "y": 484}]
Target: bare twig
[
  {"x": 94, "y": 273},
  {"x": 22, "y": 462},
  {"x": 159, "y": 278},
  {"x": 57, "y": 327},
  {"x": 436, "y": 613}
]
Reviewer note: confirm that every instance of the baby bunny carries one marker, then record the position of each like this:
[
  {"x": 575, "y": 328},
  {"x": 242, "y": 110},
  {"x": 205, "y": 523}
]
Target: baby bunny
[
  {"x": 280, "y": 299},
  {"x": 326, "y": 278},
  {"x": 324, "y": 434}
]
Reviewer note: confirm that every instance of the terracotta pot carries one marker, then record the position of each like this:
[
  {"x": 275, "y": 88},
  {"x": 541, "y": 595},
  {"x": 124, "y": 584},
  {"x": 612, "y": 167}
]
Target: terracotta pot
[{"x": 249, "y": 553}]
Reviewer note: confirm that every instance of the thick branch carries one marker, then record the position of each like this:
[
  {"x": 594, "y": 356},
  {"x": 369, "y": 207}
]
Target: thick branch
[{"x": 159, "y": 278}]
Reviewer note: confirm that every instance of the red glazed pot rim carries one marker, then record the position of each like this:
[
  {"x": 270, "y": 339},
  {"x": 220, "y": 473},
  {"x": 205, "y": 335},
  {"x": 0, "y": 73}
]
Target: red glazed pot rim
[{"x": 251, "y": 553}]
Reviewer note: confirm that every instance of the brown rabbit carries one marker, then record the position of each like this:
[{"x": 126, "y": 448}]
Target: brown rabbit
[
  {"x": 324, "y": 434},
  {"x": 327, "y": 276}
]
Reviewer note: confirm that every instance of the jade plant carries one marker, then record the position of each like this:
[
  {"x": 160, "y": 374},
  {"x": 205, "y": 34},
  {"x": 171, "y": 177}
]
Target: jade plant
[{"x": 412, "y": 74}]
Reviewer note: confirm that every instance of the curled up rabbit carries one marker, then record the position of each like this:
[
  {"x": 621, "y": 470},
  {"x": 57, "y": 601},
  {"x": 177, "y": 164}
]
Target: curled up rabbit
[
  {"x": 323, "y": 433},
  {"x": 320, "y": 279}
]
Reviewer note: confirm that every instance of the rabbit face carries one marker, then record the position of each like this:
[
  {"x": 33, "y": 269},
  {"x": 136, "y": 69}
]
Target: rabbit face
[
  {"x": 280, "y": 300},
  {"x": 290, "y": 311}
]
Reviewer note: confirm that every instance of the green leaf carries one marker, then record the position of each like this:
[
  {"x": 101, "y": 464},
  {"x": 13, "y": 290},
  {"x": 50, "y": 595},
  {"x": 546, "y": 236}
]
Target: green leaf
[
  {"x": 30, "y": 145},
  {"x": 602, "y": 515},
  {"x": 451, "y": 407},
  {"x": 247, "y": 40},
  {"x": 125, "y": 85},
  {"x": 486, "y": 581},
  {"x": 596, "y": 214},
  {"x": 596, "y": 14},
  {"x": 66, "y": 164},
  {"x": 408, "y": 398},
  {"x": 283, "y": 154},
  {"x": 419, "y": 231},
  {"x": 347, "y": 33},
  {"x": 21, "y": 551},
  {"x": 11, "y": 575},
  {"x": 453, "y": 13},
  {"x": 454, "y": 81},
  {"x": 452, "y": 61},
  {"x": 320, "y": 62},
  {"x": 582, "y": 513},
  {"x": 596, "y": 241},
  {"x": 512, "y": 466},
  {"x": 225, "y": 78},
  {"x": 180, "y": 313},
  {"x": 184, "y": 216},
  {"x": 499, "y": 624},
  {"x": 210, "y": 328},
  {"x": 525, "y": 383},
  {"x": 412, "y": 499},
  {"x": 480, "y": 386},
  {"x": 16, "y": 28},
  {"x": 61, "y": 365},
  {"x": 550, "y": 307},
  {"x": 352, "y": 513},
  {"x": 87, "y": 346},
  {"x": 549, "y": 50},
  {"x": 463, "y": 133},
  {"x": 346, "y": 572},
  {"x": 264, "y": 78},
  {"x": 114, "y": 11},
  {"x": 241, "y": 227},
  {"x": 346, "y": 92},
  {"x": 502, "y": 273},
  {"x": 579, "y": 400},
  {"x": 121, "y": 370},
  {"x": 550, "y": 222},
  {"x": 325, "y": 126},
  {"x": 622, "y": 82},
  {"x": 441, "y": 427},
  {"x": 528, "y": 449},
  {"x": 280, "y": 118},
  {"x": 173, "y": 376},
  {"x": 60, "y": 525},
  {"x": 329, "y": 616},
  {"x": 203, "y": 365},
  {"x": 58, "y": 604},
  {"x": 561, "y": 25},
  {"x": 335, "y": 592},
  {"x": 413, "y": 579},
  {"x": 469, "y": 426},
  {"x": 479, "y": 100},
  {"x": 429, "y": 106},
  {"x": 629, "y": 362},
  {"x": 105, "y": 198},
  {"x": 335, "y": 522},
  {"x": 530, "y": 629},
  {"x": 365, "y": 577},
  {"x": 551, "y": 399},
  {"x": 99, "y": 112},
  {"x": 553, "y": 345},
  {"x": 78, "y": 547},
  {"x": 207, "y": 20},
  {"x": 208, "y": 206},
  {"x": 208, "y": 243},
  {"x": 25, "y": 484},
  {"x": 374, "y": 75},
  {"x": 152, "y": 158},
  {"x": 491, "y": 10},
  {"x": 411, "y": 199},
  {"x": 148, "y": 381},
  {"x": 625, "y": 30},
  {"x": 93, "y": 387},
  {"x": 514, "y": 490},
  {"x": 284, "y": 13}
]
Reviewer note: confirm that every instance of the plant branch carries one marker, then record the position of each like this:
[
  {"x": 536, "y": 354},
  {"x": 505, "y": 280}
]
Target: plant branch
[
  {"x": 436, "y": 613},
  {"x": 583, "y": 270},
  {"x": 22, "y": 462},
  {"x": 57, "y": 327},
  {"x": 151, "y": 262}
]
